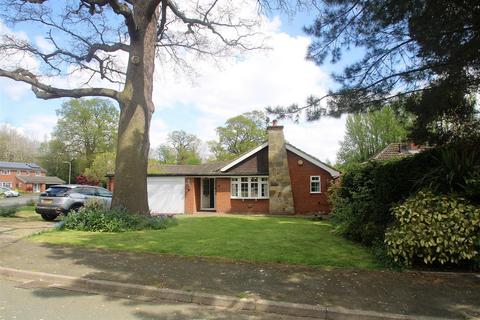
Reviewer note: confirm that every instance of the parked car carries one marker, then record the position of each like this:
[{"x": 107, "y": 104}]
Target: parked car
[
  {"x": 7, "y": 192},
  {"x": 61, "y": 199}
]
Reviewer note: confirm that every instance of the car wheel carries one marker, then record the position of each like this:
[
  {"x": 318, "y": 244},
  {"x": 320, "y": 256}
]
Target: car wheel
[{"x": 48, "y": 217}]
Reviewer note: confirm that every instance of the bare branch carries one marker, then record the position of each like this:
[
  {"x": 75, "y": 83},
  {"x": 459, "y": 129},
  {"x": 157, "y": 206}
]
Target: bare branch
[{"x": 46, "y": 92}]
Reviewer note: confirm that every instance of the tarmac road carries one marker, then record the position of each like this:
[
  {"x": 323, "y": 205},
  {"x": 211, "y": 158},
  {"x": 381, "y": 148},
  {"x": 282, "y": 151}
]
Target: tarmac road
[{"x": 34, "y": 301}]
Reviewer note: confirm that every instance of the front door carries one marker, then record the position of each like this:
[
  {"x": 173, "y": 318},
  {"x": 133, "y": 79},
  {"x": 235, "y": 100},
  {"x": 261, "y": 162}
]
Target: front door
[{"x": 208, "y": 194}]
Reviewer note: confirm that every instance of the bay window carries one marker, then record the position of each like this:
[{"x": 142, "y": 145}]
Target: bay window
[{"x": 249, "y": 188}]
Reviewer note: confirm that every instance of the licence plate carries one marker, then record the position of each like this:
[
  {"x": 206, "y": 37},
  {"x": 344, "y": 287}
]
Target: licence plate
[{"x": 46, "y": 201}]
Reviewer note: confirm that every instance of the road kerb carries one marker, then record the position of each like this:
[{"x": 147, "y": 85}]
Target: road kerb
[{"x": 141, "y": 292}]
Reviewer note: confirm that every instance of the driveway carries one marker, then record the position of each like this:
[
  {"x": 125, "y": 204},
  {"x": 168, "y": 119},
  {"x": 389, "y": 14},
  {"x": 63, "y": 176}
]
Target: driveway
[
  {"x": 18, "y": 201},
  {"x": 14, "y": 229}
]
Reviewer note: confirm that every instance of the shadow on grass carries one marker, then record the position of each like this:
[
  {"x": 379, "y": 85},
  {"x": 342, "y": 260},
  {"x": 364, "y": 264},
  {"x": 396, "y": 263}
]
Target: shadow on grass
[{"x": 445, "y": 295}]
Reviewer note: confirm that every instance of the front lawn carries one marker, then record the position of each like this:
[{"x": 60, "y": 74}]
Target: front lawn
[
  {"x": 251, "y": 238},
  {"x": 24, "y": 213}
]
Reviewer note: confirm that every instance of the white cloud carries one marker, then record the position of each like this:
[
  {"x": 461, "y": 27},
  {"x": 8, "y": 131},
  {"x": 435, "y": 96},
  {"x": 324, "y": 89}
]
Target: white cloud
[
  {"x": 38, "y": 127},
  {"x": 279, "y": 76}
]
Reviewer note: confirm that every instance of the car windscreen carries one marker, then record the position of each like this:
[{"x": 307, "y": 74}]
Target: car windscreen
[{"x": 56, "y": 191}]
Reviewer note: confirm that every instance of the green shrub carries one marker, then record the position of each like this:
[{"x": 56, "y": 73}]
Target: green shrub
[
  {"x": 433, "y": 229},
  {"x": 94, "y": 217},
  {"x": 8, "y": 211},
  {"x": 361, "y": 204}
]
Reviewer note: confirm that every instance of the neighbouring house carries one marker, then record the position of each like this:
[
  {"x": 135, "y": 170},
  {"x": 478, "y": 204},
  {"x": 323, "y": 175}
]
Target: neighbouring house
[
  {"x": 26, "y": 177},
  {"x": 399, "y": 150},
  {"x": 273, "y": 178}
]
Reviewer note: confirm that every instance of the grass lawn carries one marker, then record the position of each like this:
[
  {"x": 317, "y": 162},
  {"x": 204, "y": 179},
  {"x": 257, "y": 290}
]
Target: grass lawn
[
  {"x": 251, "y": 238},
  {"x": 25, "y": 213}
]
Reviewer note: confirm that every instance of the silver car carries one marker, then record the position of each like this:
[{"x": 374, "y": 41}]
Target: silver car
[{"x": 61, "y": 199}]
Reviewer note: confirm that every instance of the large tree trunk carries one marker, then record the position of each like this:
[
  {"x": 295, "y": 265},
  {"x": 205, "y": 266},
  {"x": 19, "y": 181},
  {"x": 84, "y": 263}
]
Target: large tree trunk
[{"x": 136, "y": 112}]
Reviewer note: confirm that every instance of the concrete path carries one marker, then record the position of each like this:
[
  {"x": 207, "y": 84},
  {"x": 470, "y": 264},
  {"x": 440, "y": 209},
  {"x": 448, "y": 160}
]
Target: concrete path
[
  {"x": 14, "y": 229},
  {"x": 33, "y": 300}
]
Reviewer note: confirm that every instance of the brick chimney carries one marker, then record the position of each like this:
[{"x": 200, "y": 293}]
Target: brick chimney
[{"x": 281, "y": 198}]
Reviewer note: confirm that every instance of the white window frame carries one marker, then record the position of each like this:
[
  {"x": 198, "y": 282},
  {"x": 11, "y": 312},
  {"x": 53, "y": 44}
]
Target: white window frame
[
  {"x": 6, "y": 184},
  {"x": 5, "y": 172},
  {"x": 313, "y": 179},
  {"x": 251, "y": 181},
  {"x": 38, "y": 173}
]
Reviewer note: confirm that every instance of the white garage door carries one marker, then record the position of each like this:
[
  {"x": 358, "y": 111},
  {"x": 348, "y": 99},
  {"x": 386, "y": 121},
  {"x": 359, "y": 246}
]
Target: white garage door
[{"x": 166, "y": 194}]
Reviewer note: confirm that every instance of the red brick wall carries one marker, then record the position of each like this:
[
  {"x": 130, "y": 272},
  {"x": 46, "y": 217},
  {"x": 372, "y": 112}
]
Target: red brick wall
[
  {"x": 17, "y": 184},
  {"x": 227, "y": 205},
  {"x": 192, "y": 195},
  {"x": 304, "y": 201}
]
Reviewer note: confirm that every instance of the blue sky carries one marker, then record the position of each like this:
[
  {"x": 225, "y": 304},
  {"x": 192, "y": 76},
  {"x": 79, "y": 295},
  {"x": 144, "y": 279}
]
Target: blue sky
[{"x": 279, "y": 76}]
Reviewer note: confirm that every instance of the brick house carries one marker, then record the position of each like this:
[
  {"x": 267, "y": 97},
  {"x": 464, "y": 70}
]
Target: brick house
[
  {"x": 26, "y": 177},
  {"x": 273, "y": 178}
]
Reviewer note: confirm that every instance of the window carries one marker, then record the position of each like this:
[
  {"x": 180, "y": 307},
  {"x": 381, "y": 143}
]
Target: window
[
  {"x": 6, "y": 185},
  {"x": 249, "y": 188},
  {"x": 104, "y": 193},
  {"x": 315, "y": 184},
  {"x": 19, "y": 172},
  {"x": 38, "y": 173},
  {"x": 5, "y": 172}
]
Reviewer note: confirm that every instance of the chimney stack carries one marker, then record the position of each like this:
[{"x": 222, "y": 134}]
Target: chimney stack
[{"x": 281, "y": 197}]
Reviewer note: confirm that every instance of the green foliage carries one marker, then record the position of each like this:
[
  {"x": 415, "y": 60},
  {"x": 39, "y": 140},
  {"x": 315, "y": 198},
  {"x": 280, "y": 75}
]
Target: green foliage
[
  {"x": 85, "y": 135},
  {"x": 239, "y": 135},
  {"x": 8, "y": 211},
  {"x": 103, "y": 163},
  {"x": 363, "y": 200},
  {"x": 94, "y": 217},
  {"x": 433, "y": 228},
  {"x": 406, "y": 47},
  {"x": 368, "y": 133},
  {"x": 181, "y": 148}
]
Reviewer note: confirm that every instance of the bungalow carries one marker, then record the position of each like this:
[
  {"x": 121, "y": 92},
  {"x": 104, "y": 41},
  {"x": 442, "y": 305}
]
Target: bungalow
[
  {"x": 26, "y": 177},
  {"x": 274, "y": 178}
]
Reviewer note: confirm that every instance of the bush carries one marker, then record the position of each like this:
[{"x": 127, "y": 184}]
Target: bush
[
  {"x": 94, "y": 217},
  {"x": 8, "y": 211},
  {"x": 433, "y": 229},
  {"x": 361, "y": 205}
]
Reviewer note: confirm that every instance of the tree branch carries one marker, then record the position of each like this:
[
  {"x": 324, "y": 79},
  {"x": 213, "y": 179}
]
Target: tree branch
[{"x": 46, "y": 92}]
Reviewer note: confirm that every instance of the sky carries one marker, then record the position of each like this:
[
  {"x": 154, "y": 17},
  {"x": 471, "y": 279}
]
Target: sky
[{"x": 279, "y": 75}]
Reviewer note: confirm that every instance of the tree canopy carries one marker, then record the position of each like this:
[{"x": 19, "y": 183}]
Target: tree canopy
[
  {"x": 181, "y": 148},
  {"x": 422, "y": 48},
  {"x": 87, "y": 127},
  {"x": 368, "y": 133},
  {"x": 240, "y": 134}
]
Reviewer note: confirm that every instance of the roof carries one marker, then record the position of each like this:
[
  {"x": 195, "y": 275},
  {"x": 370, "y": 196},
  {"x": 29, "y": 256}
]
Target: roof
[
  {"x": 20, "y": 166},
  {"x": 40, "y": 179},
  {"x": 188, "y": 169},
  {"x": 399, "y": 150},
  {"x": 222, "y": 168}
]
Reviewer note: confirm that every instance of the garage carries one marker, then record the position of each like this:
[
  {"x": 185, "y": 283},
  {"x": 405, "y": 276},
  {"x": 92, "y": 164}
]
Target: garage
[{"x": 166, "y": 194}]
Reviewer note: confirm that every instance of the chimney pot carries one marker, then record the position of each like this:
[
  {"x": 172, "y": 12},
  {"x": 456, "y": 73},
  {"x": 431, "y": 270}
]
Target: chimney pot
[{"x": 274, "y": 122}]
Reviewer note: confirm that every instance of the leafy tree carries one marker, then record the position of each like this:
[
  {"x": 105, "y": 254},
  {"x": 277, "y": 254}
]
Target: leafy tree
[
  {"x": 185, "y": 147},
  {"x": 426, "y": 48},
  {"x": 240, "y": 134},
  {"x": 368, "y": 133},
  {"x": 165, "y": 154},
  {"x": 113, "y": 44},
  {"x": 102, "y": 164},
  {"x": 87, "y": 127},
  {"x": 53, "y": 157},
  {"x": 15, "y": 147}
]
